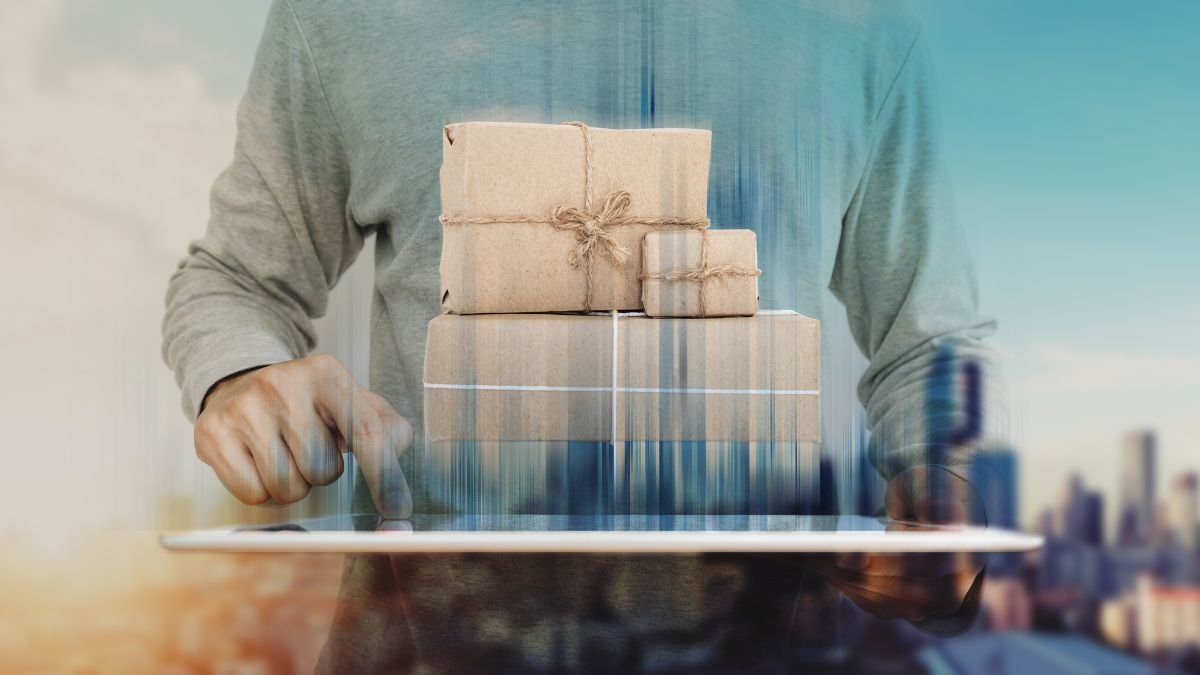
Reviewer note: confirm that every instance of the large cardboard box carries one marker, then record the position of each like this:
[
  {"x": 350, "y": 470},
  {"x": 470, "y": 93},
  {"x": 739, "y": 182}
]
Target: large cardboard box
[
  {"x": 618, "y": 377},
  {"x": 502, "y": 184}
]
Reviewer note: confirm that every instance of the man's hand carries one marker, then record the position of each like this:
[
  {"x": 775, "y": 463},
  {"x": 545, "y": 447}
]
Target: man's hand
[
  {"x": 915, "y": 586},
  {"x": 271, "y": 434}
]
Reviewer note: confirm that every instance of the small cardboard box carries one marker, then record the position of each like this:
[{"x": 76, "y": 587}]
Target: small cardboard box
[{"x": 700, "y": 273}]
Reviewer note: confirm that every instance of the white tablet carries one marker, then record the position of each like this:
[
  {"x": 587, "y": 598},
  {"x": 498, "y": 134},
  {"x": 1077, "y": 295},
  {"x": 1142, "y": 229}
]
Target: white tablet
[{"x": 687, "y": 534}]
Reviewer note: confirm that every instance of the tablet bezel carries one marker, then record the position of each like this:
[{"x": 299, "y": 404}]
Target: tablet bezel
[{"x": 852, "y": 534}]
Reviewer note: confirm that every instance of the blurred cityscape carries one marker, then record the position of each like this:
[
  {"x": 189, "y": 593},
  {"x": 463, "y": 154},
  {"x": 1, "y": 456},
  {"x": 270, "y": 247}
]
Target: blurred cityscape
[{"x": 1090, "y": 601}]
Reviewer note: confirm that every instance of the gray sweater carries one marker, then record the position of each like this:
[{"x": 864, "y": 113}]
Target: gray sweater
[{"x": 824, "y": 142}]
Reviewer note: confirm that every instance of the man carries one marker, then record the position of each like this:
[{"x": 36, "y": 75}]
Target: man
[{"x": 823, "y": 142}]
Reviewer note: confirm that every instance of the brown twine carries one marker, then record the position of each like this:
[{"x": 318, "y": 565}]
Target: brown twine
[
  {"x": 592, "y": 227},
  {"x": 703, "y": 273}
]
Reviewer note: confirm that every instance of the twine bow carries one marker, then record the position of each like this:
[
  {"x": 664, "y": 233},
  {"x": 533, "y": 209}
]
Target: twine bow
[
  {"x": 593, "y": 230},
  {"x": 593, "y": 227}
]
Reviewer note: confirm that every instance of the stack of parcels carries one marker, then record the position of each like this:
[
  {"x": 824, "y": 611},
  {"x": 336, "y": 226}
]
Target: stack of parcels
[{"x": 589, "y": 306}]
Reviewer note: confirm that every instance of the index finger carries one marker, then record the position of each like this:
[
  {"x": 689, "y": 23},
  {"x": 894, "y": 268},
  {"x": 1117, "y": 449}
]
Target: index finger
[{"x": 377, "y": 436}]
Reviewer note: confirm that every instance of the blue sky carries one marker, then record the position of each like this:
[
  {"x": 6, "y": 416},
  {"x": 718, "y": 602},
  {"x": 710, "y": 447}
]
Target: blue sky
[
  {"x": 1072, "y": 143},
  {"x": 1075, "y": 154},
  {"x": 1074, "y": 150}
]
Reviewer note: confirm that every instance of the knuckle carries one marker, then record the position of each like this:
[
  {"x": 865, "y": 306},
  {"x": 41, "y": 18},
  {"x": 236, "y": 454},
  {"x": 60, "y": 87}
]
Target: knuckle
[
  {"x": 377, "y": 401},
  {"x": 367, "y": 427},
  {"x": 204, "y": 452},
  {"x": 324, "y": 363},
  {"x": 206, "y": 437},
  {"x": 402, "y": 432},
  {"x": 204, "y": 433},
  {"x": 267, "y": 381},
  {"x": 249, "y": 411}
]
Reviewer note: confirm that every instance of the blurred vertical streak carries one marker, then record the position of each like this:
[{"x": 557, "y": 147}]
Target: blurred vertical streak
[{"x": 345, "y": 332}]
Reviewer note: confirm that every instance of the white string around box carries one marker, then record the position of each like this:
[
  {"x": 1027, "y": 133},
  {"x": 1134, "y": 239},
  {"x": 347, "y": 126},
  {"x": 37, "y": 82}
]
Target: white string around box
[{"x": 614, "y": 389}]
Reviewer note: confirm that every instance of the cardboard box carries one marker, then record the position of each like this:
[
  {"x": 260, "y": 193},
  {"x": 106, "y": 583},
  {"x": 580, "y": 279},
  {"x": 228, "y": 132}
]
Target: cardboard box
[
  {"x": 702, "y": 274},
  {"x": 501, "y": 185},
  {"x": 618, "y": 377}
]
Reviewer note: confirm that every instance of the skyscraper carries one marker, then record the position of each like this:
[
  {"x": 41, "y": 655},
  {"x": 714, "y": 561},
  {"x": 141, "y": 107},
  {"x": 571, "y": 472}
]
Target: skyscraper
[
  {"x": 993, "y": 473},
  {"x": 1082, "y": 514},
  {"x": 1138, "y": 466},
  {"x": 1070, "y": 511},
  {"x": 1093, "y": 519},
  {"x": 1047, "y": 523},
  {"x": 1181, "y": 511}
]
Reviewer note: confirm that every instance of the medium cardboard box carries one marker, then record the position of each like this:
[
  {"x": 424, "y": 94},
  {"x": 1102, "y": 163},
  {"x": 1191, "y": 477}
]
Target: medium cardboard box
[
  {"x": 618, "y": 377},
  {"x": 513, "y": 177}
]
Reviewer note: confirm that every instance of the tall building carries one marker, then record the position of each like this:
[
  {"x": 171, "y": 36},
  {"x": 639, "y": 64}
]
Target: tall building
[
  {"x": 1135, "y": 521},
  {"x": 993, "y": 473},
  {"x": 1070, "y": 509},
  {"x": 1181, "y": 511},
  {"x": 1047, "y": 524},
  {"x": 1093, "y": 528},
  {"x": 1082, "y": 514}
]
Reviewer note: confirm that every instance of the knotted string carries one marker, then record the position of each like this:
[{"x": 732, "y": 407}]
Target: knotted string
[
  {"x": 703, "y": 273},
  {"x": 592, "y": 226}
]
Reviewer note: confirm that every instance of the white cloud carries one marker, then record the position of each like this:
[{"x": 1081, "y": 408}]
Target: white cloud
[{"x": 1061, "y": 371}]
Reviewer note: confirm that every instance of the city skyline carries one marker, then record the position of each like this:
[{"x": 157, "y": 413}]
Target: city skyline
[
  {"x": 1138, "y": 513},
  {"x": 1137, "y": 587}
]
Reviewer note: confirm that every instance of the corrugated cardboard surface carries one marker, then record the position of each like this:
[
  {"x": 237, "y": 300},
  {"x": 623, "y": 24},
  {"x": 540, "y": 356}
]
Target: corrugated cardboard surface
[
  {"x": 771, "y": 351},
  {"x": 680, "y": 250},
  {"x": 500, "y": 169}
]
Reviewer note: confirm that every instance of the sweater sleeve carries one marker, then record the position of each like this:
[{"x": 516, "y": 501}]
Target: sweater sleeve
[
  {"x": 904, "y": 275},
  {"x": 280, "y": 233}
]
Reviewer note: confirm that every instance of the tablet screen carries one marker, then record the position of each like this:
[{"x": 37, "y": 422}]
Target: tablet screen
[{"x": 597, "y": 523}]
